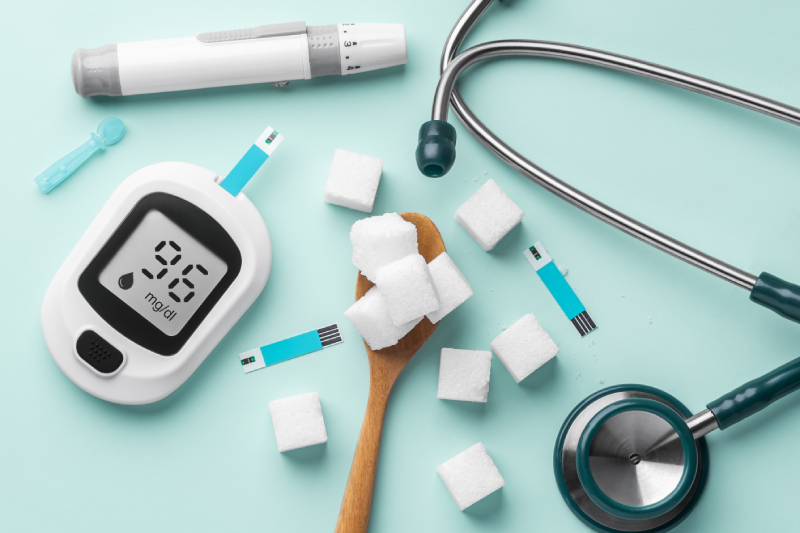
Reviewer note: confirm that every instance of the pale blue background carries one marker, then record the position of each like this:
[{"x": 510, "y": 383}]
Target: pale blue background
[{"x": 205, "y": 459}]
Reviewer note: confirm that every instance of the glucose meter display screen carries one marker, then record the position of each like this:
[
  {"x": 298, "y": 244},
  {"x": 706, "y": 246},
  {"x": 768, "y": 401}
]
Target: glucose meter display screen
[{"x": 163, "y": 273}]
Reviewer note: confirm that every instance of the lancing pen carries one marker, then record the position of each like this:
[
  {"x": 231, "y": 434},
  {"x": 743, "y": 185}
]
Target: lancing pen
[{"x": 274, "y": 53}]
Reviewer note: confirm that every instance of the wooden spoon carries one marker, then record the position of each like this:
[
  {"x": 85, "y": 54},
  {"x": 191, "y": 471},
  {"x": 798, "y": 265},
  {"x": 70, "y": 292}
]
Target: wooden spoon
[{"x": 384, "y": 367}]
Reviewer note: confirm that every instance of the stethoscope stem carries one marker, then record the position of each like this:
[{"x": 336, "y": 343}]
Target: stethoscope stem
[
  {"x": 446, "y": 93},
  {"x": 702, "y": 423}
]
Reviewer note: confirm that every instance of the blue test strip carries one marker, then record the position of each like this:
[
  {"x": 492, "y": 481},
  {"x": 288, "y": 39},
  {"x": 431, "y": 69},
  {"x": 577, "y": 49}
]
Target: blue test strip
[
  {"x": 296, "y": 346},
  {"x": 248, "y": 165},
  {"x": 565, "y": 297}
]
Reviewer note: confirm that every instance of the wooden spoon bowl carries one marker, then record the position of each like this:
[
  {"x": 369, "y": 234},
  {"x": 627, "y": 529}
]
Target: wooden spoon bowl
[{"x": 384, "y": 367}]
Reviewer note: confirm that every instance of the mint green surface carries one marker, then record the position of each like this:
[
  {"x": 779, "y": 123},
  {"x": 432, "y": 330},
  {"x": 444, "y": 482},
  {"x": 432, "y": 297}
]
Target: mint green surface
[{"x": 722, "y": 178}]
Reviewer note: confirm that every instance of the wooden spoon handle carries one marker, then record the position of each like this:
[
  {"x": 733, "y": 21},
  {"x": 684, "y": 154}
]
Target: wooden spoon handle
[{"x": 357, "y": 500}]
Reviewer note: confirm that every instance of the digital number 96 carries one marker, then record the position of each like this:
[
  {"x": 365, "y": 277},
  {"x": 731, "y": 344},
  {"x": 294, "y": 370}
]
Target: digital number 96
[{"x": 162, "y": 255}]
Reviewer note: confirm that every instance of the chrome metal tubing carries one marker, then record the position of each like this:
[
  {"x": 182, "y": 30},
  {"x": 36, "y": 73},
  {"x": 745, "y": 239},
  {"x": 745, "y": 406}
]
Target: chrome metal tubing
[
  {"x": 453, "y": 66},
  {"x": 702, "y": 423}
]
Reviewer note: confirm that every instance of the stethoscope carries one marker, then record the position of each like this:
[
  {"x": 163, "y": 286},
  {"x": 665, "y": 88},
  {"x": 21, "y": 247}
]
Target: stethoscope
[{"x": 629, "y": 457}]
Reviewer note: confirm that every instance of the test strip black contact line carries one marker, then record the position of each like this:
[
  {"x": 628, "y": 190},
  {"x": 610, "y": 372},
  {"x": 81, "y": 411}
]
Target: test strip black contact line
[
  {"x": 328, "y": 329},
  {"x": 584, "y": 323},
  {"x": 579, "y": 325},
  {"x": 329, "y": 335},
  {"x": 587, "y": 322}
]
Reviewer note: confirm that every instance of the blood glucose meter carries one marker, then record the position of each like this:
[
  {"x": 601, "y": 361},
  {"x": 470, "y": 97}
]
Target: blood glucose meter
[{"x": 169, "y": 265}]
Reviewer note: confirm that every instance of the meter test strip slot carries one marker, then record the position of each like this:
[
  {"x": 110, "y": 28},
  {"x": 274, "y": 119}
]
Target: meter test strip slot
[
  {"x": 128, "y": 337},
  {"x": 565, "y": 297},
  {"x": 302, "y": 344}
]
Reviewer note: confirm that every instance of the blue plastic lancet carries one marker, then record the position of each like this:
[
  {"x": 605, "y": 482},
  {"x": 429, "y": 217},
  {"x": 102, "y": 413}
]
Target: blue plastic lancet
[{"x": 109, "y": 132}]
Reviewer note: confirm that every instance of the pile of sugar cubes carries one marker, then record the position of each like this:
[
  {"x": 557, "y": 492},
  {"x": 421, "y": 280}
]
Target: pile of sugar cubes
[
  {"x": 464, "y": 375},
  {"x": 407, "y": 289}
]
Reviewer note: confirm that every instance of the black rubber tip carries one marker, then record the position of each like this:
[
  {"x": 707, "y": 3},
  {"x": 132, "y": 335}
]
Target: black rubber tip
[{"x": 436, "y": 150}]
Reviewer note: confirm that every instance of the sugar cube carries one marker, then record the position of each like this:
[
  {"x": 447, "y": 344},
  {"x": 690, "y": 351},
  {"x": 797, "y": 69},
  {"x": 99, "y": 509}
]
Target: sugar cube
[
  {"x": 470, "y": 476},
  {"x": 451, "y": 286},
  {"x": 489, "y": 215},
  {"x": 353, "y": 180},
  {"x": 464, "y": 375},
  {"x": 407, "y": 287},
  {"x": 379, "y": 240},
  {"x": 370, "y": 316},
  {"x": 524, "y": 347},
  {"x": 298, "y": 421}
]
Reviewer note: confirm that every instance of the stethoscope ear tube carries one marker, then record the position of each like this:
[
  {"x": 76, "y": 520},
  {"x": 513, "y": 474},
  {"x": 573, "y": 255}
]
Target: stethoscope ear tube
[
  {"x": 435, "y": 154},
  {"x": 754, "y": 396},
  {"x": 781, "y": 296},
  {"x": 436, "y": 148}
]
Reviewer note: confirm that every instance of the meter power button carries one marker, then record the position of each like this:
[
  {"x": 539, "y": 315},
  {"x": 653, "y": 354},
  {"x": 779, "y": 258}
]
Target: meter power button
[{"x": 98, "y": 353}]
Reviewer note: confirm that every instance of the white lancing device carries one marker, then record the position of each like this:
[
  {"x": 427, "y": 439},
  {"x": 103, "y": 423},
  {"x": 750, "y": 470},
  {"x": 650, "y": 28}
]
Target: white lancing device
[{"x": 274, "y": 53}]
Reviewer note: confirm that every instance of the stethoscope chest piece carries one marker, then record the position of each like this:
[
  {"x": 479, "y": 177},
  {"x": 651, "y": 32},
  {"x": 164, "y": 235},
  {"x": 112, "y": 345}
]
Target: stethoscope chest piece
[{"x": 626, "y": 461}]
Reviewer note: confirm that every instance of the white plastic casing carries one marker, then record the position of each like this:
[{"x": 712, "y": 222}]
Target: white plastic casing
[
  {"x": 145, "y": 376},
  {"x": 187, "y": 63},
  {"x": 365, "y": 47}
]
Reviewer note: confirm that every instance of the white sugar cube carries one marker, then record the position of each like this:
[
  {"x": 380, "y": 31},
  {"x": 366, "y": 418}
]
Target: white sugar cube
[
  {"x": 379, "y": 240},
  {"x": 489, "y": 215},
  {"x": 370, "y": 316},
  {"x": 464, "y": 375},
  {"x": 470, "y": 476},
  {"x": 353, "y": 180},
  {"x": 298, "y": 421},
  {"x": 524, "y": 347},
  {"x": 407, "y": 287},
  {"x": 451, "y": 286}
]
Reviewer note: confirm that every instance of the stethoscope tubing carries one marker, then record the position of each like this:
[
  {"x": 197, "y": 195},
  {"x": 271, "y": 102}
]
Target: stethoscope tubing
[
  {"x": 730, "y": 408},
  {"x": 446, "y": 93}
]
